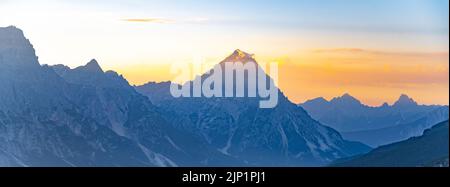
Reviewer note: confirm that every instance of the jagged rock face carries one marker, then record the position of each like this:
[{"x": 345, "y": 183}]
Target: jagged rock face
[
  {"x": 22, "y": 79},
  {"x": 284, "y": 135},
  {"x": 111, "y": 101},
  {"x": 57, "y": 116},
  {"x": 41, "y": 126}
]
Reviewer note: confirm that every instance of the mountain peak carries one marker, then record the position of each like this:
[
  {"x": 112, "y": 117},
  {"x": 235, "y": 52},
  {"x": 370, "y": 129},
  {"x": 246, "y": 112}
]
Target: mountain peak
[
  {"x": 92, "y": 66},
  {"x": 346, "y": 99},
  {"x": 404, "y": 96},
  {"x": 240, "y": 56},
  {"x": 346, "y": 95},
  {"x": 15, "y": 49},
  {"x": 404, "y": 100},
  {"x": 318, "y": 102},
  {"x": 320, "y": 99},
  {"x": 240, "y": 53},
  {"x": 11, "y": 30}
]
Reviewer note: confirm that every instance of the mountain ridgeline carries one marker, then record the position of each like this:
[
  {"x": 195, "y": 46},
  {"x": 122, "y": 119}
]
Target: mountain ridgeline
[
  {"x": 430, "y": 150},
  {"x": 58, "y": 116},
  {"x": 376, "y": 126}
]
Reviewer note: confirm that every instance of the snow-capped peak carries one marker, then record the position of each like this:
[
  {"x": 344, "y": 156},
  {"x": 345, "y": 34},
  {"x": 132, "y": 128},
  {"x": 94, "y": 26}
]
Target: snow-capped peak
[{"x": 240, "y": 56}]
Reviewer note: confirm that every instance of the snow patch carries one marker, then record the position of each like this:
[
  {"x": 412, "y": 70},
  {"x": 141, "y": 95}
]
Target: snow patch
[
  {"x": 173, "y": 144},
  {"x": 225, "y": 149},
  {"x": 283, "y": 137},
  {"x": 156, "y": 158},
  {"x": 70, "y": 164},
  {"x": 17, "y": 160},
  {"x": 313, "y": 148},
  {"x": 118, "y": 128}
]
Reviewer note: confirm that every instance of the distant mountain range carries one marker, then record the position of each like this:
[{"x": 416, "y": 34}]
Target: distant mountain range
[
  {"x": 58, "y": 116},
  {"x": 430, "y": 149},
  {"x": 375, "y": 126}
]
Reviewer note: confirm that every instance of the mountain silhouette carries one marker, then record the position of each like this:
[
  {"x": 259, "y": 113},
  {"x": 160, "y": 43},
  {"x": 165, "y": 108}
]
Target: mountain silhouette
[
  {"x": 404, "y": 101},
  {"x": 375, "y": 126}
]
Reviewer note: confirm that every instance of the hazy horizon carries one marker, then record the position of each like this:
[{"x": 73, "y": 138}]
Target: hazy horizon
[{"x": 322, "y": 48}]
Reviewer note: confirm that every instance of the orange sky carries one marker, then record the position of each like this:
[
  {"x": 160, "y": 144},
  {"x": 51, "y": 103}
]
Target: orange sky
[{"x": 372, "y": 76}]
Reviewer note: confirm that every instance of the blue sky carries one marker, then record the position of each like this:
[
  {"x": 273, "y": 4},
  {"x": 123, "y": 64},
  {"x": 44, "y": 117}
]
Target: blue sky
[{"x": 387, "y": 15}]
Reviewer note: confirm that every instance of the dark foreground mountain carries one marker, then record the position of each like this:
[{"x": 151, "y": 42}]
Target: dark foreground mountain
[
  {"x": 375, "y": 126},
  {"x": 57, "y": 116},
  {"x": 430, "y": 149},
  {"x": 283, "y": 135},
  {"x": 399, "y": 132}
]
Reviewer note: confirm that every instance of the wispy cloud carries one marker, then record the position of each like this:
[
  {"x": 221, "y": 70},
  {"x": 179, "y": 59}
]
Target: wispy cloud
[
  {"x": 149, "y": 20},
  {"x": 164, "y": 20}
]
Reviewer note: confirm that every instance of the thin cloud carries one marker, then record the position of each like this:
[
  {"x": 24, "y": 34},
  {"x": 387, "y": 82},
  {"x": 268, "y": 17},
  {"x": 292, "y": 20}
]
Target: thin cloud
[
  {"x": 148, "y": 20},
  {"x": 165, "y": 21}
]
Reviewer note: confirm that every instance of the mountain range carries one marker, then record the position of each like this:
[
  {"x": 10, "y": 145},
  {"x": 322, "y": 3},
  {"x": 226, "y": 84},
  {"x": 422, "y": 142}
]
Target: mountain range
[
  {"x": 239, "y": 128},
  {"x": 375, "y": 126},
  {"x": 430, "y": 149},
  {"x": 58, "y": 116}
]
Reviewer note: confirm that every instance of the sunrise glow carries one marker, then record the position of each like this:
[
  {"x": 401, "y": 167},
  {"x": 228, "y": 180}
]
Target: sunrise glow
[{"x": 323, "y": 49}]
